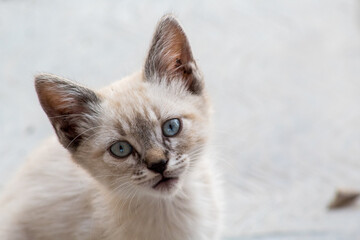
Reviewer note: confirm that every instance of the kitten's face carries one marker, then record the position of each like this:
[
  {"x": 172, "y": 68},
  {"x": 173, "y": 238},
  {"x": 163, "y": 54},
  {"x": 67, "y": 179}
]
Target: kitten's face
[
  {"x": 143, "y": 134},
  {"x": 136, "y": 112}
]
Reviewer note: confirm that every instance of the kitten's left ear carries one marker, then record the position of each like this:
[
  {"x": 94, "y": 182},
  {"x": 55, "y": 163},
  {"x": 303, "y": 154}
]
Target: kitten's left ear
[{"x": 170, "y": 56}]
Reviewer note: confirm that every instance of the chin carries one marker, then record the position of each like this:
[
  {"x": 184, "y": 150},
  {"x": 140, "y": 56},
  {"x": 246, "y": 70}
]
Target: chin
[{"x": 166, "y": 187}]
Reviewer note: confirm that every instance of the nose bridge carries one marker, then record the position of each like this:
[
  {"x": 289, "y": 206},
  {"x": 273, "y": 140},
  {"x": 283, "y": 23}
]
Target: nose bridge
[{"x": 154, "y": 155}]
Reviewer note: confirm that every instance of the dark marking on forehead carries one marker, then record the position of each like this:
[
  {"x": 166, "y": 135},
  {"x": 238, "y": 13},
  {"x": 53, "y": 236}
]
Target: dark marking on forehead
[
  {"x": 146, "y": 112},
  {"x": 143, "y": 129},
  {"x": 127, "y": 120},
  {"x": 157, "y": 112},
  {"x": 120, "y": 128}
]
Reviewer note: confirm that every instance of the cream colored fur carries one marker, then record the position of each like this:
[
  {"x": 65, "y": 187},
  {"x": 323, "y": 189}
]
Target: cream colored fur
[{"x": 85, "y": 193}]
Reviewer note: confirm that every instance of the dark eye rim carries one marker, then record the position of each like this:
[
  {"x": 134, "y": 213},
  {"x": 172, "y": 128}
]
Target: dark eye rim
[
  {"x": 116, "y": 156},
  {"x": 180, "y": 127}
]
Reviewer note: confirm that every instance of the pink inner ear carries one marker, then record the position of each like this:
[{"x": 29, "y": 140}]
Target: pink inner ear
[
  {"x": 56, "y": 101},
  {"x": 176, "y": 52},
  {"x": 59, "y": 96},
  {"x": 67, "y": 106},
  {"x": 170, "y": 55}
]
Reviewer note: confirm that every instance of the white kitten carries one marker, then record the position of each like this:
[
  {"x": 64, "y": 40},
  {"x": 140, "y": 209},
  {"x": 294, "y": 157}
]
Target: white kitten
[{"x": 132, "y": 161}]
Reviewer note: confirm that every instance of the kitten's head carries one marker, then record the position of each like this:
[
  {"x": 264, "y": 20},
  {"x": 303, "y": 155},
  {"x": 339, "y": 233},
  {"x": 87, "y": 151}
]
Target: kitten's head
[{"x": 143, "y": 134}]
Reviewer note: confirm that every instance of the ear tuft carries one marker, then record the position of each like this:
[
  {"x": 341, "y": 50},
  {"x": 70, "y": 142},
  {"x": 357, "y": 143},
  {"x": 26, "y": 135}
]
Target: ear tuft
[
  {"x": 170, "y": 56},
  {"x": 70, "y": 107}
]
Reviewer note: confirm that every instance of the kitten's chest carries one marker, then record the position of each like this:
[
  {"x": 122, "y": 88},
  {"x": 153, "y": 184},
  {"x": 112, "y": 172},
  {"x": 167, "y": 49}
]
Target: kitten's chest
[{"x": 156, "y": 220}]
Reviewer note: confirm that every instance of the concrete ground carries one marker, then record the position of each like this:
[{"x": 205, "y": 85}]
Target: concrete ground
[{"x": 284, "y": 78}]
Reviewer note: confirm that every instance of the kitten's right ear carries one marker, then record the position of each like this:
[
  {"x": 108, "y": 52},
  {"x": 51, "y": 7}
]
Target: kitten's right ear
[{"x": 70, "y": 108}]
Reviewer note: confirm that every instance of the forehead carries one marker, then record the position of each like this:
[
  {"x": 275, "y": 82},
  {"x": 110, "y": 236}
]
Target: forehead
[
  {"x": 137, "y": 109},
  {"x": 135, "y": 98}
]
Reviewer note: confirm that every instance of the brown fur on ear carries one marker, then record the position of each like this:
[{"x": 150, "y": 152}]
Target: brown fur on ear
[
  {"x": 70, "y": 108},
  {"x": 170, "y": 56}
]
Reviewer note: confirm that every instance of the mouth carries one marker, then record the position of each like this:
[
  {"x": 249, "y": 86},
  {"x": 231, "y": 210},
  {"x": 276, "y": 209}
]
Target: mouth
[{"x": 166, "y": 183}]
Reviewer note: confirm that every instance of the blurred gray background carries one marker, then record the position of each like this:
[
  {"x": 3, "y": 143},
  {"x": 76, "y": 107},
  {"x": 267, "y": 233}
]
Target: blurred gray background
[{"x": 284, "y": 78}]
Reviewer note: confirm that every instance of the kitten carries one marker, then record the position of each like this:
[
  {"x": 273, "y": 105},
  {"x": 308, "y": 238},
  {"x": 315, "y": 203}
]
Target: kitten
[{"x": 130, "y": 161}]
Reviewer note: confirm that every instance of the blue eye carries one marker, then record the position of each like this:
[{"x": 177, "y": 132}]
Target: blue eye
[
  {"x": 171, "y": 127},
  {"x": 121, "y": 149}
]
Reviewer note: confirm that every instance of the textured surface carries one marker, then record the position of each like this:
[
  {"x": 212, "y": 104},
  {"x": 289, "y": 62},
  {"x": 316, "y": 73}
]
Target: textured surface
[{"x": 284, "y": 77}]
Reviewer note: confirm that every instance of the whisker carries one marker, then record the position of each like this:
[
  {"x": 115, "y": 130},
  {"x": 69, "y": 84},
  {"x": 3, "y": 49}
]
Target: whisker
[{"x": 87, "y": 130}]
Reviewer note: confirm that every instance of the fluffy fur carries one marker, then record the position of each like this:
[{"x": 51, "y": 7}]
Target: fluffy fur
[{"x": 74, "y": 188}]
